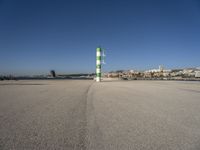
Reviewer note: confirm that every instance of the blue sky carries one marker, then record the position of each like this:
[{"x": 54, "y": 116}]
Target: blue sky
[{"x": 39, "y": 35}]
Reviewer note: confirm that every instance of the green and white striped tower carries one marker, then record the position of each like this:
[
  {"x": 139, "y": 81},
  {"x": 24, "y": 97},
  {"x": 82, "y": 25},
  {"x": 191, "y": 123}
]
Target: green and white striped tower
[{"x": 98, "y": 64}]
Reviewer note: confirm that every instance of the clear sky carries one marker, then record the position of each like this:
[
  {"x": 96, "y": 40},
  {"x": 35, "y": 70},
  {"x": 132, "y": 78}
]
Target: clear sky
[{"x": 39, "y": 35}]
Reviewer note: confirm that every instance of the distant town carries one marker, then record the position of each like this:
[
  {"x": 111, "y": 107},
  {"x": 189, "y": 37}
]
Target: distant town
[
  {"x": 157, "y": 74},
  {"x": 190, "y": 74}
]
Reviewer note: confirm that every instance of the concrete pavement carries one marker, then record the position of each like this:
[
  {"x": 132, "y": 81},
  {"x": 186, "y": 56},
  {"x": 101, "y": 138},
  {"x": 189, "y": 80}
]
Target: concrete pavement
[
  {"x": 145, "y": 115},
  {"x": 43, "y": 115},
  {"x": 68, "y": 114}
]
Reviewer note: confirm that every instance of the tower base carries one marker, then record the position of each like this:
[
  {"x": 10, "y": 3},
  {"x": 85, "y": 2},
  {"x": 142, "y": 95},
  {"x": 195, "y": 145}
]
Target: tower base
[{"x": 98, "y": 79}]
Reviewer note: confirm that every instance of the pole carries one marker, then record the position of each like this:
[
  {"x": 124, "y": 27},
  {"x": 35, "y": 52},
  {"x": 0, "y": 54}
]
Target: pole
[{"x": 98, "y": 64}]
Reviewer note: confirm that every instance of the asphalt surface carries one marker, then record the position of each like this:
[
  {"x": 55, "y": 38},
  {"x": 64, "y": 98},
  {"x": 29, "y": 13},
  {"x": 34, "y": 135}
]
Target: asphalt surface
[
  {"x": 84, "y": 115},
  {"x": 43, "y": 115}
]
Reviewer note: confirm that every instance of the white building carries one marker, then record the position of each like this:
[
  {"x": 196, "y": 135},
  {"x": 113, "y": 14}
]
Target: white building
[
  {"x": 160, "y": 69},
  {"x": 197, "y": 74}
]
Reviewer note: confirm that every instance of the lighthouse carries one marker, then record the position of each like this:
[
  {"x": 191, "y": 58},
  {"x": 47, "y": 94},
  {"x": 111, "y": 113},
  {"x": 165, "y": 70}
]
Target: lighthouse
[{"x": 98, "y": 64}]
